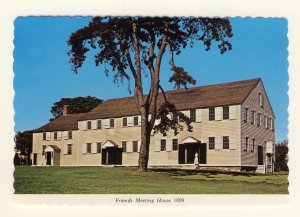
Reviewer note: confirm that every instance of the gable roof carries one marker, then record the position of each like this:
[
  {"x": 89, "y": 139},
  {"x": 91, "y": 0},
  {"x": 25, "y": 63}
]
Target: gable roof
[
  {"x": 196, "y": 97},
  {"x": 231, "y": 93},
  {"x": 68, "y": 122}
]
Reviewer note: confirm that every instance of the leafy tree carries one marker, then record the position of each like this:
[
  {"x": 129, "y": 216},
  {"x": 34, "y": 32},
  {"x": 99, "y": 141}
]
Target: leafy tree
[
  {"x": 23, "y": 141},
  {"x": 133, "y": 48},
  {"x": 281, "y": 156},
  {"x": 75, "y": 105}
]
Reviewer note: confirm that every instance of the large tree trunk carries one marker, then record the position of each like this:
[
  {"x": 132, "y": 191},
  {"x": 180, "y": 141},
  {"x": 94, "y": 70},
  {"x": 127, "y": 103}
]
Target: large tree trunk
[{"x": 145, "y": 140}]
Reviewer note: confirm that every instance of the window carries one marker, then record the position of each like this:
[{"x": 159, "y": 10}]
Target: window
[
  {"x": 258, "y": 117},
  {"x": 69, "y": 149},
  {"x": 44, "y": 136},
  {"x": 272, "y": 124},
  {"x": 55, "y": 135},
  {"x": 252, "y": 116},
  {"x": 98, "y": 147},
  {"x": 70, "y": 134},
  {"x": 253, "y": 145},
  {"x": 246, "y": 114},
  {"x": 269, "y": 123},
  {"x": 162, "y": 145},
  {"x": 266, "y": 122},
  {"x": 135, "y": 146},
  {"x": 211, "y": 142},
  {"x": 193, "y": 115},
  {"x": 89, "y": 125},
  {"x": 225, "y": 142},
  {"x": 112, "y": 123},
  {"x": 136, "y": 121},
  {"x": 124, "y": 146},
  {"x": 43, "y": 149},
  {"x": 124, "y": 122},
  {"x": 88, "y": 147},
  {"x": 99, "y": 124},
  {"x": 175, "y": 117},
  {"x": 246, "y": 143},
  {"x": 211, "y": 114},
  {"x": 175, "y": 144},
  {"x": 261, "y": 100},
  {"x": 225, "y": 112}
]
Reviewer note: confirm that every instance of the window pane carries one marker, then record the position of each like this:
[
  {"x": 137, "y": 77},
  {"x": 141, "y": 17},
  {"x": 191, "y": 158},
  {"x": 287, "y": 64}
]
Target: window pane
[
  {"x": 55, "y": 135},
  {"x": 252, "y": 116},
  {"x": 112, "y": 123},
  {"x": 124, "y": 146},
  {"x": 193, "y": 115},
  {"x": 70, "y": 134},
  {"x": 124, "y": 122},
  {"x": 163, "y": 145},
  {"x": 225, "y": 112},
  {"x": 246, "y": 115},
  {"x": 88, "y": 147},
  {"x": 99, "y": 124},
  {"x": 211, "y": 142},
  {"x": 175, "y": 144},
  {"x": 253, "y": 145},
  {"x": 44, "y": 136},
  {"x": 99, "y": 147},
  {"x": 134, "y": 146},
  {"x": 69, "y": 148},
  {"x": 211, "y": 114},
  {"x": 246, "y": 143},
  {"x": 225, "y": 142},
  {"x": 89, "y": 125},
  {"x": 175, "y": 118},
  {"x": 135, "y": 121}
]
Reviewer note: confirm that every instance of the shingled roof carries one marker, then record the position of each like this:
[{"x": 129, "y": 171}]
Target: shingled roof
[
  {"x": 62, "y": 123},
  {"x": 196, "y": 97}
]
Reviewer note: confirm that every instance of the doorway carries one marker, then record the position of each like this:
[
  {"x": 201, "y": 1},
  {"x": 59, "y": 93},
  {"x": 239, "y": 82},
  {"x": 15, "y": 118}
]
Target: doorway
[
  {"x": 111, "y": 156},
  {"x": 187, "y": 152},
  {"x": 34, "y": 159},
  {"x": 48, "y": 158},
  {"x": 260, "y": 155}
]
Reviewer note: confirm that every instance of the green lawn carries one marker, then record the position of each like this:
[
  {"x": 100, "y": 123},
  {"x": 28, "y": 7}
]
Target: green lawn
[{"x": 122, "y": 180}]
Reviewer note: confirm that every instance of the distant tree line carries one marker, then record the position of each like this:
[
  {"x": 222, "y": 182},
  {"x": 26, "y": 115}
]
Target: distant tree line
[{"x": 281, "y": 156}]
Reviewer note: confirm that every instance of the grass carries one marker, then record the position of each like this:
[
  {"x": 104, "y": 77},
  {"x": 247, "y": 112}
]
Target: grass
[{"x": 117, "y": 180}]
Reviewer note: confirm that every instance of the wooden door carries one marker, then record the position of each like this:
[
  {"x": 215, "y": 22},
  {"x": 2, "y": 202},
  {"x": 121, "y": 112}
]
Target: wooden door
[
  {"x": 48, "y": 158},
  {"x": 34, "y": 159},
  {"x": 260, "y": 154}
]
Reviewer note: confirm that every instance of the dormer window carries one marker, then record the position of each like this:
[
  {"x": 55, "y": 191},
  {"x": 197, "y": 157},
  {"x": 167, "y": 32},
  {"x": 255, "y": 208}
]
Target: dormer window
[{"x": 261, "y": 100}]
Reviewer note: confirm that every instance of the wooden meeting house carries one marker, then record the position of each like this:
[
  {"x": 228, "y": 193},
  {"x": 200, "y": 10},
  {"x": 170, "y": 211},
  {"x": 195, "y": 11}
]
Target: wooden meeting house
[{"x": 233, "y": 129}]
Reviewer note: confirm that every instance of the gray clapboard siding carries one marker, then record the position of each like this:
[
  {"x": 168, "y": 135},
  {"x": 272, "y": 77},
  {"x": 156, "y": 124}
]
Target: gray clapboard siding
[{"x": 261, "y": 133}]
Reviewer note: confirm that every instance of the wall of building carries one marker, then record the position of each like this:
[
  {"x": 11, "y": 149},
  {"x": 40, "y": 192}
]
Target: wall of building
[
  {"x": 201, "y": 131},
  {"x": 260, "y": 133},
  {"x": 65, "y": 160}
]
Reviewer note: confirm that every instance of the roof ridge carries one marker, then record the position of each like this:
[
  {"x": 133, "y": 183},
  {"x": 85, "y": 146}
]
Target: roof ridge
[{"x": 178, "y": 90}]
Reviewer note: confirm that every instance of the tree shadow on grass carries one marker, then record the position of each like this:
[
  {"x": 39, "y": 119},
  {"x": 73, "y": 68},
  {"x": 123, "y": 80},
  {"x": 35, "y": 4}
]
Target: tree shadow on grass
[{"x": 207, "y": 173}]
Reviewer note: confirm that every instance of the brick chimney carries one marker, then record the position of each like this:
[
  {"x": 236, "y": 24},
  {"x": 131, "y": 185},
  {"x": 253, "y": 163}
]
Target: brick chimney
[{"x": 65, "y": 110}]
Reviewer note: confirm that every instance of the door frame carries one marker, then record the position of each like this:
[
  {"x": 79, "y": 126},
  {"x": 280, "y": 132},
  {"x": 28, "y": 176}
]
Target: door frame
[
  {"x": 192, "y": 147},
  {"x": 34, "y": 159},
  {"x": 111, "y": 156},
  {"x": 51, "y": 158}
]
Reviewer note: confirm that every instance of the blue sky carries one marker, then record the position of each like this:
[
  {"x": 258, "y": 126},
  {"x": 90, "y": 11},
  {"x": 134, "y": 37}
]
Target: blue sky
[{"x": 43, "y": 74}]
